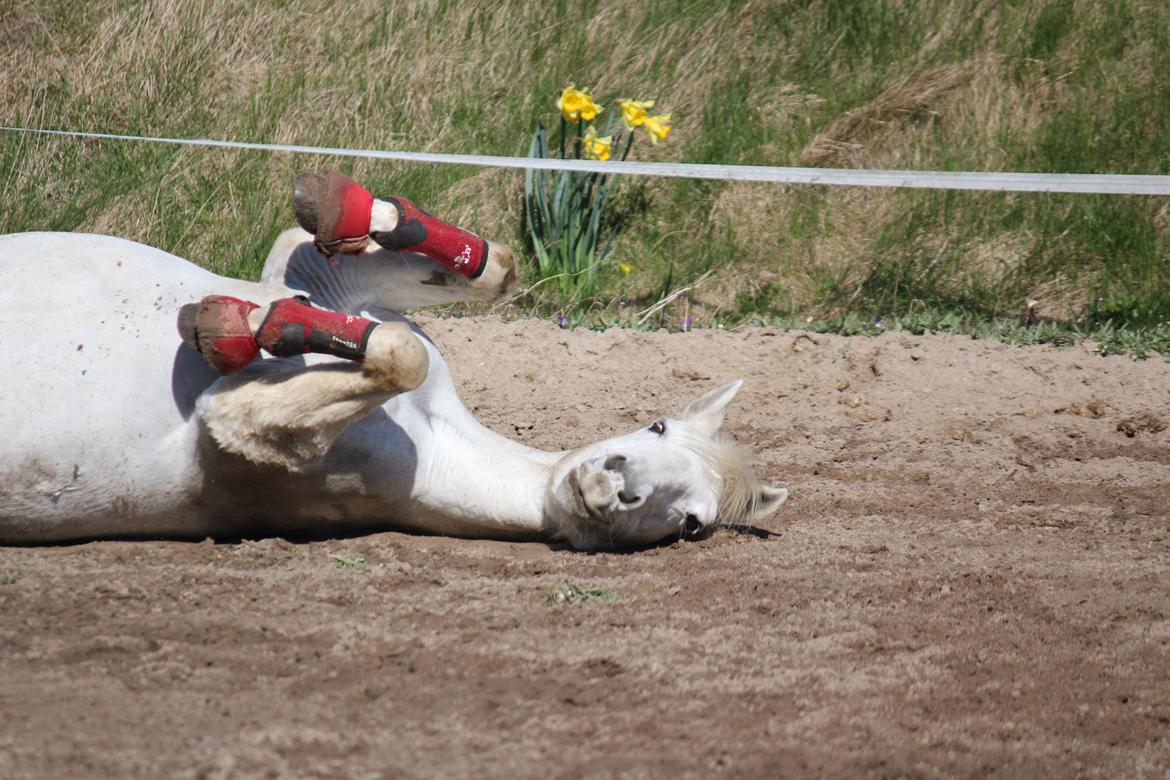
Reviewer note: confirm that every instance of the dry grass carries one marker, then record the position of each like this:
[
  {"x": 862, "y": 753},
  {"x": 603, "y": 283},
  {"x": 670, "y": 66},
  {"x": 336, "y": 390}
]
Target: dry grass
[
  {"x": 961, "y": 84},
  {"x": 847, "y": 141}
]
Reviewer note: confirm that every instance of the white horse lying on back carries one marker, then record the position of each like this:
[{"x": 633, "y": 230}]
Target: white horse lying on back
[{"x": 112, "y": 426}]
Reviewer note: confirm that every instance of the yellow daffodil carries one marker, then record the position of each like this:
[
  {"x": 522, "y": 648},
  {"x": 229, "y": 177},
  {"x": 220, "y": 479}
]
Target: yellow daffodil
[
  {"x": 597, "y": 148},
  {"x": 634, "y": 111},
  {"x": 575, "y": 105},
  {"x": 658, "y": 127},
  {"x": 570, "y": 103},
  {"x": 590, "y": 110},
  {"x": 625, "y": 268}
]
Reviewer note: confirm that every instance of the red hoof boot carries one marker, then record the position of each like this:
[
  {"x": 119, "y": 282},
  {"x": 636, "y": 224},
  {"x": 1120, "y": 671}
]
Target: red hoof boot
[
  {"x": 217, "y": 328},
  {"x": 460, "y": 250},
  {"x": 335, "y": 209},
  {"x": 294, "y": 327}
]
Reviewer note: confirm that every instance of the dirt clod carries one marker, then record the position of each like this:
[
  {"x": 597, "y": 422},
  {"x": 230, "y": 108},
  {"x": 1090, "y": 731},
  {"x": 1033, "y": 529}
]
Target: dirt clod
[{"x": 1142, "y": 423}]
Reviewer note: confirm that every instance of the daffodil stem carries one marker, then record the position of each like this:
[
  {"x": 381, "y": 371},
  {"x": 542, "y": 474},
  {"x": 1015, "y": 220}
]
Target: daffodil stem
[
  {"x": 565, "y": 209},
  {"x": 629, "y": 143}
]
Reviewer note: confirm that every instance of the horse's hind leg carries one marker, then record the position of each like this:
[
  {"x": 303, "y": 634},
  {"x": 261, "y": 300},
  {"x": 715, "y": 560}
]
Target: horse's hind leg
[{"x": 282, "y": 413}]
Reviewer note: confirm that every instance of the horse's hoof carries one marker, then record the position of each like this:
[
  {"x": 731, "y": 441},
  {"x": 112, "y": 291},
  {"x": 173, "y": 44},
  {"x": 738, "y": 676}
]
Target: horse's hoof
[
  {"x": 335, "y": 209},
  {"x": 308, "y": 184},
  {"x": 217, "y": 328}
]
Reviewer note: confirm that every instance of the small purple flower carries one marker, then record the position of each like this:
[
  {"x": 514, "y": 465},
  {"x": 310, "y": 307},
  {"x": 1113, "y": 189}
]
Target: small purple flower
[
  {"x": 562, "y": 320},
  {"x": 687, "y": 322}
]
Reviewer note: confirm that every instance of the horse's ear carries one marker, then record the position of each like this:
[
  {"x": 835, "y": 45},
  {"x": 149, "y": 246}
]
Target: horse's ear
[
  {"x": 707, "y": 413},
  {"x": 766, "y": 501}
]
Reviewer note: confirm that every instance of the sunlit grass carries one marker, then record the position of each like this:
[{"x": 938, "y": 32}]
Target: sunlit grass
[{"x": 1039, "y": 85}]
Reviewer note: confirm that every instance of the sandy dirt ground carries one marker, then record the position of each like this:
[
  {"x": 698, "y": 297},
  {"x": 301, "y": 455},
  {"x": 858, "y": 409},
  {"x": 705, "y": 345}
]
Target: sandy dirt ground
[{"x": 970, "y": 579}]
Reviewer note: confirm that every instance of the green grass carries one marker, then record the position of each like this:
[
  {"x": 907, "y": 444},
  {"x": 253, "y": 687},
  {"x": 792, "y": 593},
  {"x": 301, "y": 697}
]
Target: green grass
[
  {"x": 349, "y": 560},
  {"x": 1030, "y": 85},
  {"x": 11, "y": 578},
  {"x": 1105, "y": 338},
  {"x": 572, "y": 593}
]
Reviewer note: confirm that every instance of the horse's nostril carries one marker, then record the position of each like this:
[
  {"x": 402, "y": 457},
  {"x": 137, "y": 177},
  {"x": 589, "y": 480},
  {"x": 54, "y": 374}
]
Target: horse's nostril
[
  {"x": 692, "y": 525},
  {"x": 626, "y": 498},
  {"x": 615, "y": 462}
]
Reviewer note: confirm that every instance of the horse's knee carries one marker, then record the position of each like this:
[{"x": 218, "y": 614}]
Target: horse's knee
[{"x": 396, "y": 356}]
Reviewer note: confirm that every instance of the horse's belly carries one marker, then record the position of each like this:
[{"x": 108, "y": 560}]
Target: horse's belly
[
  {"x": 59, "y": 492},
  {"x": 97, "y": 434}
]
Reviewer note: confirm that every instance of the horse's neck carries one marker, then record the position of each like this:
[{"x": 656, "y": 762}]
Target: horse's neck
[
  {"x": 474, "y": 480},
  {"x": 468, "y": 479}
]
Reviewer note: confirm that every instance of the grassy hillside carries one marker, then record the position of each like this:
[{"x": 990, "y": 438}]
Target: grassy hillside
[{"x": 1030, "y": 85}]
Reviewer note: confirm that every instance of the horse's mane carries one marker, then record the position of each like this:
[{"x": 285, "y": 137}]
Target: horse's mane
[{"x": 730, "y": 463}]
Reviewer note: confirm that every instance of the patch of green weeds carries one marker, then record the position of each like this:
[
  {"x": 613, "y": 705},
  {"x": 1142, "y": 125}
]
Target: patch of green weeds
[
  {"x": 349, "y": 560},
  {"x": 572, "y": 593},
  {"x": 11, "y": 578}
]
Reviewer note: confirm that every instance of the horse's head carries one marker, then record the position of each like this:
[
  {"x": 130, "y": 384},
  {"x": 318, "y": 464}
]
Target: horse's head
[{"x": 676, "y": 477}]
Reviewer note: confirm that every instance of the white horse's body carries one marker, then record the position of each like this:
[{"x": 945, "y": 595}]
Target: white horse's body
[{"x": 111, "y": 427}]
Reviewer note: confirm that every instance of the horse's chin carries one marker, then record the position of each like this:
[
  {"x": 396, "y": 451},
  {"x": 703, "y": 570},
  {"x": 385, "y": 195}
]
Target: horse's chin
[{"x": 586, "y": 538}]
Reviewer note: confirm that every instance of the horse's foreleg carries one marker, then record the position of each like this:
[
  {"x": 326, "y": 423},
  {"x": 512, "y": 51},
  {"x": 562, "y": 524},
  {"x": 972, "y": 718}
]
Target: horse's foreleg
[
  {"x": 343, "y": 217},
  {"x": 281, "y": 413}
]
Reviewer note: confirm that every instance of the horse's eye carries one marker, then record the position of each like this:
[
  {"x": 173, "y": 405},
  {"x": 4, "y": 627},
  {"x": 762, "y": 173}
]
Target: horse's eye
[
  {"x": 658, "y": 427},
  {"x": 692, "y": 525}
]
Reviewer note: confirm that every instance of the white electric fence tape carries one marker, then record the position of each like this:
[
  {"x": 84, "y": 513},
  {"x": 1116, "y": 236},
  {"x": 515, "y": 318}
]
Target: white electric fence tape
[{"x": 1093, "y": 183}]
